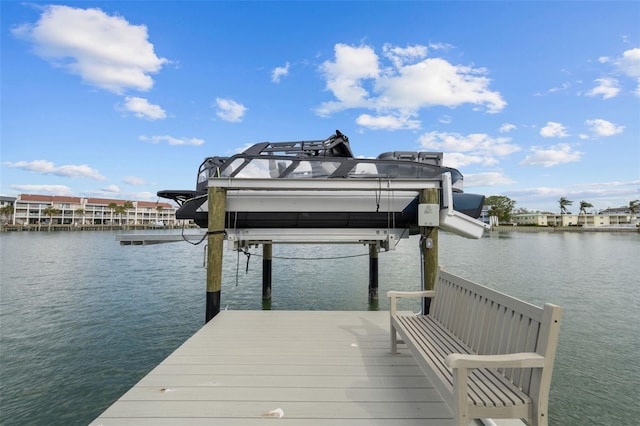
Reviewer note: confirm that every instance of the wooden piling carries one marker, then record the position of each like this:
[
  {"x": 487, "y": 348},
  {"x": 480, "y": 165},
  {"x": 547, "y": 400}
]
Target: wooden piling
[
  {"x": 217, "y": 203},
  {"x": 429, "y": 248},
  {"x": 267, "y": 255},
  {"x": 373, "y": 272}
]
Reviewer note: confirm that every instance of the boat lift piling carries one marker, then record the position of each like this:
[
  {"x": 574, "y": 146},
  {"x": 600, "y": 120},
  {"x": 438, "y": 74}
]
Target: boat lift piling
[
  {"x": 373, "y": 273},
  {"x": 429, "y": 248},
  {"x": 267, "y": 256},
  {"x": 217, "y": 204}
]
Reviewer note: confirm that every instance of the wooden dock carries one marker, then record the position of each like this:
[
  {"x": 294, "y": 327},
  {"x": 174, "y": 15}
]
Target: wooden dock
[{"x": 290, "y": 367}]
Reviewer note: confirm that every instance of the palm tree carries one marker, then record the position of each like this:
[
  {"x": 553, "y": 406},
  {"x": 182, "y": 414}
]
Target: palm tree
[
  {"x": 50, "y": 211},
  {"x": 584, "y": 205},
  {"x": 80, "y": 212},
  {"x": 564, "y": 203},
  {"x": 127, "y": 205},
  {"x": 120, "y": 210},
  {"x": 6, "y": 212},
  {"x": 112, "y": 207}
]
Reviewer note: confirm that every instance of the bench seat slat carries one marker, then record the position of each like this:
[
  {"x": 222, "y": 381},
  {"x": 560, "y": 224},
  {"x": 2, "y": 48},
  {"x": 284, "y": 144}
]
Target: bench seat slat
[{"x": 487, "y": 387}]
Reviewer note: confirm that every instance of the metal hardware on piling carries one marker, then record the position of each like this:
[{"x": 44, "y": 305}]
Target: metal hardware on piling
[
  {"x": 429, "y": 248},
  {"x": 217, "y": 204}
]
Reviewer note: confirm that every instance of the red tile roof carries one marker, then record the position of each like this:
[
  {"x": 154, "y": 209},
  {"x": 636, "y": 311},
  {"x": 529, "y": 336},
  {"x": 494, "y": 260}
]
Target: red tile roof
[{"x": 57, "y": 199}]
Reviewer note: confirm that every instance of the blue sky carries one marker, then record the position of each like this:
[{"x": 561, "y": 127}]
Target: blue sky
[{"x": 532, "y": 100}]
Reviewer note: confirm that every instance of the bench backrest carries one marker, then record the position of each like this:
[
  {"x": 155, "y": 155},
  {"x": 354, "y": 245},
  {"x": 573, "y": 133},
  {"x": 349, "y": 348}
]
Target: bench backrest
[{"x": 491, "y": 323}]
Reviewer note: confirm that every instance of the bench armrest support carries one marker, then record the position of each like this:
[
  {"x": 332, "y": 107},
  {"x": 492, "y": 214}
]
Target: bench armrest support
[
  {"x": 395, "y": 295},
  {"x": 515, "y": 360}
]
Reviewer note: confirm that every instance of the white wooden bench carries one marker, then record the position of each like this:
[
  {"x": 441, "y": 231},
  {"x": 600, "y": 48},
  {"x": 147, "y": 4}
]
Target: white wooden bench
[{"x": 489, "y": 355}]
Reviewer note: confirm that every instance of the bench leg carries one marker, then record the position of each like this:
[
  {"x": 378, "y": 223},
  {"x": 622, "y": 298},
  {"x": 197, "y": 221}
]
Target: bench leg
[
  {"x": 394, "y": 340},
  {"x": 460, "y": 404}
]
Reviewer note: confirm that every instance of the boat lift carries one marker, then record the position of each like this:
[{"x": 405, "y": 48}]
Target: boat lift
[{"x": 432, "y": 214}]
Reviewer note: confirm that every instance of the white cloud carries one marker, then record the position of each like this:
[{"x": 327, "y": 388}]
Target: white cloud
[
  {"x": 441, "y": 46},
  {"x": 143, "y": 109},
  {"x": 445, "y": 119},
  {"x": 403, "y": 55},
  {"x": 47, "y": 167},
  {"x": 551, "y": 156},
  {"x": 172, "y": 140},
  {"x": 606, "y": 87},
  {"x": 344, "y": 77},
  {"x": 458, "y": 160},
  {"x": 279, "y": 72},
  {"x": 564, "y": 86},
  {"x": 388, "y": 122},
  {"x": 402, "y": 82},
  {"x": 479, "y": 144},
  {"x": 133, "y": 180},
  {"x": 629, "y": 65},
  {"x": 603, "y": 127},
  {"x": 112, "y": 189},
  {"x": 230, "y": 110},
  {"x": 553, "y": 130},
  {"x": 61, "y": 190},
  {"x": 105, "y": 51},
  {"x": 507, "y": 127},
  {"x": 486, "y": 179}
]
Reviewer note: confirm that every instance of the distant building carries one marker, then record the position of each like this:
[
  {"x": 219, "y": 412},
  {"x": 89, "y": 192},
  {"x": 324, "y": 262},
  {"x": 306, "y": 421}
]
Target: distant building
[
  {"x": 594, "y": 220},
  {"x": 6, "y": 202},
  {"x": 29, "y": 210}
]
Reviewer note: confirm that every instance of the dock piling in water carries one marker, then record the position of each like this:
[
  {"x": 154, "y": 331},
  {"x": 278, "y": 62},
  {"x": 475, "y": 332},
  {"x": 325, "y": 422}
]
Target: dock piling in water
[
  {"x": 267, "y": 255},
  {"x": 217, "y": 204},
  {"x": 373, "y": 272}
]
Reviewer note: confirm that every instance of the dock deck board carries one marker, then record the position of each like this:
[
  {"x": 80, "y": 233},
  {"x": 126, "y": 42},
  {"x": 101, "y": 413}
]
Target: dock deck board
[{"x": 318, "y": 367}]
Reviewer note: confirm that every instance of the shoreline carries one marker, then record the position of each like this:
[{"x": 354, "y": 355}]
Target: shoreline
[
  {"x": 507, "y": 228},
  {"x": 67, "y": 228}
]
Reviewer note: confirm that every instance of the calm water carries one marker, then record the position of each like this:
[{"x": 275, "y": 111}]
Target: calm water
[{"x": 82, "y": 319}]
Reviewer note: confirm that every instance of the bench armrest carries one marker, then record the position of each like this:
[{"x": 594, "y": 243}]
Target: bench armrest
[
  {"x": 515, "y": 360},
  {"x": 399, "y": 294},
  {"x": 395, "y": 295}
]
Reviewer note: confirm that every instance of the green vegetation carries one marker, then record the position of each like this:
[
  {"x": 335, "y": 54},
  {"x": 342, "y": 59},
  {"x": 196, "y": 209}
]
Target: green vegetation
[
  {"x": 51, "y": 211},
  {"x": 501, "y": 207},
  {"x": 6, "y": 212}
]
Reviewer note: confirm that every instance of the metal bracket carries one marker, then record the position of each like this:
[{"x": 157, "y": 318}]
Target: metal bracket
[{"x": 383, "y": 238}]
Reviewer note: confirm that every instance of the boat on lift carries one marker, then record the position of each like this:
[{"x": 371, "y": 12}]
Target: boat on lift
[{"x": 329, "y": 158}]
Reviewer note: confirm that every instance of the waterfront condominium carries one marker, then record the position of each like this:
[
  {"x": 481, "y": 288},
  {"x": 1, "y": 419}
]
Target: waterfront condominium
[{"x": 32, "y": 209}]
